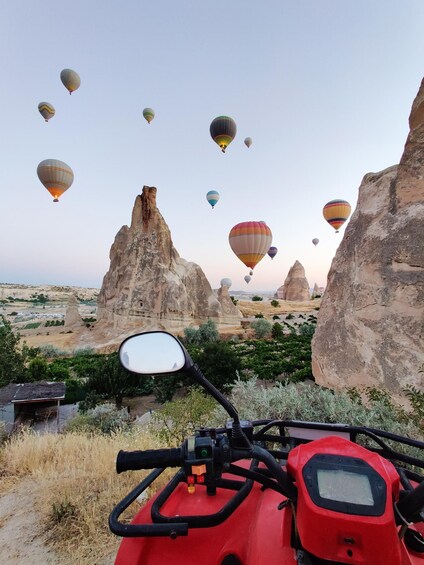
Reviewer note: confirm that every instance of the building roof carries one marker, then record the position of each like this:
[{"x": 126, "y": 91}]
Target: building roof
[{"x": 31, "y": 392}]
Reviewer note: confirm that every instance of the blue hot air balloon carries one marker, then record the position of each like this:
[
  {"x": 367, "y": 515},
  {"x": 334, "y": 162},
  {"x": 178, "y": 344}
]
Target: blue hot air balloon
[{"x": 212, "y": 197}]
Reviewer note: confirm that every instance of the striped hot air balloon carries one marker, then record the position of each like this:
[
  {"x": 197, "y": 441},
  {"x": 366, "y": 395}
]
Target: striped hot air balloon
[
  {"x": 272, "y": 252},
  {"x": 56, "y": 176},
  {"x": 336, "y": 212},
  {"x": 223, "y": 130},
  {"x": 212, "y": 197},
  {"x": 46, "y": 110},
  {"x": 250, "y": 241},
  {"x": 70, "y": 80},
  {"x": 148, "y": 114}
]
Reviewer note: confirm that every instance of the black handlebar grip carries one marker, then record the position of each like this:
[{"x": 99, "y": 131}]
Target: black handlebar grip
[{"x": 148, "y": 459}]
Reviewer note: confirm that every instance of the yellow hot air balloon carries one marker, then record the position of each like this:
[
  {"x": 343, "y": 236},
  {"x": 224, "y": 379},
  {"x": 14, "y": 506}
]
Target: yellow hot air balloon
[
  {"x": 56, "y": 176},
  {"x": 250, "y": 241},
  {"x": 336, "y": 212},
  {"x": 70, "y": 80},
  {"x": 46, "y": 110},
  {"x": 223, "y": 130},
  {"x": 148, "y": 114}
]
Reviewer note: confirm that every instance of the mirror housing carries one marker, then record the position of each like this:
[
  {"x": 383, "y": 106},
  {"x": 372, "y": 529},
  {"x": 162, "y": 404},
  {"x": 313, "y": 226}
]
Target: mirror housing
[{"x": 152, "y": 353}]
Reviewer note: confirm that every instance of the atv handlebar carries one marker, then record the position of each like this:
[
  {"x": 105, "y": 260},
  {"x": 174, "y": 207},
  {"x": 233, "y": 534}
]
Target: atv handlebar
[{"x": 148, "y": 459}]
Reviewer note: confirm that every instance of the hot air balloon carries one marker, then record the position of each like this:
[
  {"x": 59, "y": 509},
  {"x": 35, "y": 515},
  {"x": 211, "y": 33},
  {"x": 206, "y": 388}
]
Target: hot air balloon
[
  {"x": 272, "y": 252},
  {"x": 248, "y": 278},
  {"x": 226, "y": 282},
  {"x": 315, "y": 241},
  {"x": 212, "y": 197},
  {"x": 46, "y": 110},
  {"x": 248, "y": 141},
  {"x": 70, "y": 80},
  {"x": 56, "y": 176},
  {"x": 148, "y": 114},
  {"x": 223, "y": 130},
  {"x": 250, "y": 241},
  {"x": 336, "y": 212}
]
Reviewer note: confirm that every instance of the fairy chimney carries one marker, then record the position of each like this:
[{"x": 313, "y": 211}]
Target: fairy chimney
[
  {"x": 370, "y": 325},
  {"x": 295, "y": 287},
  {"x": 148, "y": 284}
]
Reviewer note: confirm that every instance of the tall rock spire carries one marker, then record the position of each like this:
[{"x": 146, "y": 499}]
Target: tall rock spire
[{"x": 148, "y": 284}]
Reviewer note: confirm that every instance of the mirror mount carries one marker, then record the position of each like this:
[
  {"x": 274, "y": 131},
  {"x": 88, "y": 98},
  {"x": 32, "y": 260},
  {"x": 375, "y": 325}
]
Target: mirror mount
[{"x": 239, "y": 438}]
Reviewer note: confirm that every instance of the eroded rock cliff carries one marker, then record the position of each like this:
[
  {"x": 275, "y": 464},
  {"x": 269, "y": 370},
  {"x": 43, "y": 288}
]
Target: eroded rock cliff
[
  {"x": 370, "y": 325},
  {"x": 148, "y": 284}
]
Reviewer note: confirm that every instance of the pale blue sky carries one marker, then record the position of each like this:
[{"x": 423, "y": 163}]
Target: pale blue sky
[{"x": 323, "y": 87}]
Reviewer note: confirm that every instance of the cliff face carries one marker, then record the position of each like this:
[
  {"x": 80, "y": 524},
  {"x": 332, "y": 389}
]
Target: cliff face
[
  {"x": 370, "y": 325},
  {"x": 295, "y": 286},
  {"x": 148, "y": 284}
]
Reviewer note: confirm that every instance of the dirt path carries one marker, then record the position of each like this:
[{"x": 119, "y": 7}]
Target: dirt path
[{"x": 22, "y": 539}]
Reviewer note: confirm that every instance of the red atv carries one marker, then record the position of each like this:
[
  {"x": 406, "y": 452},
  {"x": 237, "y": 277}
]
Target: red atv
[{"x": 270, "y": 492}]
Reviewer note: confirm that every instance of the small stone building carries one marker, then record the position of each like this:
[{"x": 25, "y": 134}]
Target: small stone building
[{"x": 25, "y": 403}]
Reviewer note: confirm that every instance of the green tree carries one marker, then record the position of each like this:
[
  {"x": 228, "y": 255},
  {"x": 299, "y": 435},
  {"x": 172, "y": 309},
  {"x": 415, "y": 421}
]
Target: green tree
[
  {"x": 219, "y": 363},
  {"x": 110, "y": 380},
  {"x": 38, "y": 370},
  {"x": 257, "y": 298},
  {"x": 275, "y": 303},
  {"x": 12, "y": 357}
]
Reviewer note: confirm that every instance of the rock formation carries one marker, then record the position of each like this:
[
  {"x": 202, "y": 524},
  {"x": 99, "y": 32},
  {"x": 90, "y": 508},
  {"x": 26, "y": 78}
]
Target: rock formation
[
  {"x": 370, "y": 325},
  {"x": 316, "y": 292},
  {"x": 224, "y": 298},
  {"x": 148, "y": 284},
  {"x": 72, "y": 316},
  {"x": 295, "y": 287}
]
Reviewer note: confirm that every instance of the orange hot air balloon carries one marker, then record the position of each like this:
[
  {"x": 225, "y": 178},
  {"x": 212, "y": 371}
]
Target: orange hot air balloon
[
  {"x": 56, "y": 176},
  {"x": 250, "y": 241},
  {"x": 336, "y": 212}
]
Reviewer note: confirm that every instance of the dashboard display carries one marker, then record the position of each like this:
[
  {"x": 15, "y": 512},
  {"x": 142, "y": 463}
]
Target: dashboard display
[{"x": 343, "y": 486}]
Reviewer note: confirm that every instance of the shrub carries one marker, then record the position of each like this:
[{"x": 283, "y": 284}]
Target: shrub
[
  {"x": 105, "y": 419},
  {"x": 275, "y": 317},
  {"x": 206, "y": 333},
  {"x": 289, "y": 316},
  {"x": 275, "y": 303},
  {"x": 309, "y": 402},
  {"x": 416, "y": 398},
  {"x": 234, "y": 300},
  {"x": 262, "y": 328},
  {"x": 259, "y": 315},
  {"x": 50, "y": 351},
  {"x": 179, "y": 419},
  {"x": 307, "y": 329},
  {"x": 277, "y": 330},
  {"x": 257, "y": 298}
]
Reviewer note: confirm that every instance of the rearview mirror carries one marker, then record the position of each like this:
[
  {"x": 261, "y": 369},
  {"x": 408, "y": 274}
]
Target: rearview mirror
[{"x": 152, "y": 353}]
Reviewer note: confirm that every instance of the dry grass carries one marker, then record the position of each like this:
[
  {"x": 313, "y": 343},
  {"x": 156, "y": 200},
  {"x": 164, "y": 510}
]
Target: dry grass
[{"x": 75, "y": 486}]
